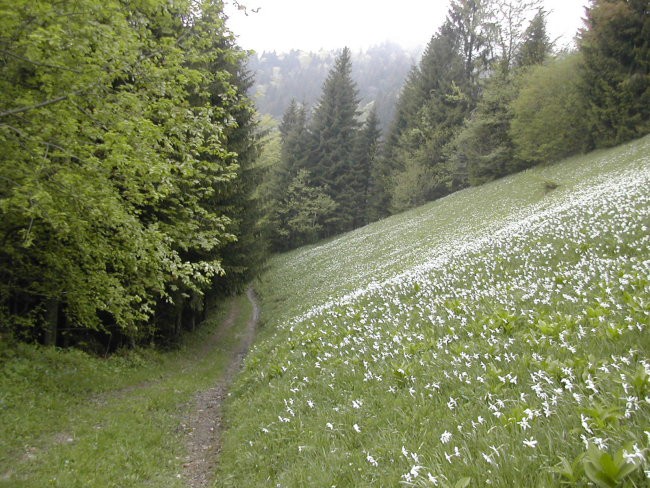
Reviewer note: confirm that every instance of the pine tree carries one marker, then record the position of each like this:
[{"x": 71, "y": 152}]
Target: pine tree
[
  {"x": 443, "y": 83},
  {"x": 536, "y": 45},
  {"x": 243, "y": 258},
  {"x": 412, "y": 96},
  {"x": 334, "y": 130},
  {"x": 295, "y": 143},
  {"x": 616, "y": 69},
  {"x": 469, "y": 25},
  {"x": 365, "y": 157},
  {"x": 295, "y": 140}
]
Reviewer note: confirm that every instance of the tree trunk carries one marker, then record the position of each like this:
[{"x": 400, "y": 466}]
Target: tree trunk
[{"x": 51, "y": 322}]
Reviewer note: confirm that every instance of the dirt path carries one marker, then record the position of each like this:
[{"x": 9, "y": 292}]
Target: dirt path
[{"x": 204, "y": 424}]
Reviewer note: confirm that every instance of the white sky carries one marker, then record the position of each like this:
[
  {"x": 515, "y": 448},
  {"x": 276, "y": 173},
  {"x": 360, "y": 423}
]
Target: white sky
[{"x": 310, "y": 25}]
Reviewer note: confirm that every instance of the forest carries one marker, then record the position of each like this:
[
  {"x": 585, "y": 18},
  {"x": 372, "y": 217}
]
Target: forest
[
  {"x": 138, "y": 185},
  {"x": 489, "y": 97},
  {"x": 125, "y": 188},
  {"x": 378, "y": 72}
]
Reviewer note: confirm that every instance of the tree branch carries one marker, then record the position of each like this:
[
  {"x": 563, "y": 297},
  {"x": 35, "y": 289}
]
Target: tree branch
[
  {"x": 37, "y": 63},
  {"x": 18, "y": 110}
]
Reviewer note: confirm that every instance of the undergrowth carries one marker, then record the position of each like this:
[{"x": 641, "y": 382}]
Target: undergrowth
[{"x": 70, "y": 419}]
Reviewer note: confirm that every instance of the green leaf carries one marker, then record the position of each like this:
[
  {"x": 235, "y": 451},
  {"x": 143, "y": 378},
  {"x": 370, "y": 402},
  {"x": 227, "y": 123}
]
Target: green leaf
[{"x": 463, "y": 482}]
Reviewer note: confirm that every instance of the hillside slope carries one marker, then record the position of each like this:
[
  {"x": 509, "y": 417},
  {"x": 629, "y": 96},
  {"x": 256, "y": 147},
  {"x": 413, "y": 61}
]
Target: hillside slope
[{"x": 498, "y": 336}]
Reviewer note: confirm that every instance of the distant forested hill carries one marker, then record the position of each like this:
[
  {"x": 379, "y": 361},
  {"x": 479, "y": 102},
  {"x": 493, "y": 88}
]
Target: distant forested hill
[{"x": 379, "y": 73}]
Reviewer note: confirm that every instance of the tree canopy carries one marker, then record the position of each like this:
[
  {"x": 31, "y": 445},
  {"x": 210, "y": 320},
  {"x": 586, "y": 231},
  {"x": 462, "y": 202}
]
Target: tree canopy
[
  {"x": 616, "y": 69},
  {"x": 119, "y": 127}
]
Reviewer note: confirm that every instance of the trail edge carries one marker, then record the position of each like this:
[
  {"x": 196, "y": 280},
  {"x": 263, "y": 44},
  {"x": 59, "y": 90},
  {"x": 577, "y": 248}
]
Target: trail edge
[{"x": 204, "y": 425}]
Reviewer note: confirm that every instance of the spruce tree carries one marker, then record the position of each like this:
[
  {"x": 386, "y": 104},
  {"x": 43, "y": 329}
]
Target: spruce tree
[
  {"x": 536, "y": 45},
  {"x": 419, "y": 157},
  {"x": 365, "y": 157},
  {"x": 469, "y": 25},
  {"x": 334, "y": 130},
  {"x": 616, "y": 69},
  {"x": 295, "y": 141}
]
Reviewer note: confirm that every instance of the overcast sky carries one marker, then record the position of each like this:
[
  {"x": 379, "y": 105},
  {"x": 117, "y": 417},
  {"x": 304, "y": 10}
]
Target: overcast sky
[{"x": 310, "y": 25}]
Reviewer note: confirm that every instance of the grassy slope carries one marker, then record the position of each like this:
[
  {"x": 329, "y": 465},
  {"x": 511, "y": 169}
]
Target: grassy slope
[
  {"x": 71, "y": 420},
  {"x": 497, "y": 336}
]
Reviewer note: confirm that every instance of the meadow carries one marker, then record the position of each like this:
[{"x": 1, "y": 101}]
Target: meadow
[{"x": 497, "y": 337}]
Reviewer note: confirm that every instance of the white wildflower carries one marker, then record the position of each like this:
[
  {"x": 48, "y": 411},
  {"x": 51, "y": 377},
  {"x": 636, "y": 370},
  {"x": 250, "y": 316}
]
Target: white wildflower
[
  {"x": 445, "y": 437},
  {"x": 530, "y": 442},
  {"x": 372, "y": 460}
]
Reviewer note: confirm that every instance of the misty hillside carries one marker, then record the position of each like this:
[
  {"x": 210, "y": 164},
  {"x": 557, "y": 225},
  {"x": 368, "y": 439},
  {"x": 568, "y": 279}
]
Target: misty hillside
[{"x": 379, "y": 73}]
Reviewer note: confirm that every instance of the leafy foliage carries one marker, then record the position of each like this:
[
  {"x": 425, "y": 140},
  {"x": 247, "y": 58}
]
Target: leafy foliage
[
  {"x": 303, "y": 213},
  {"x": 118, "y": 133},
  {"x": 483, "y": 150},
  {"x": 490, "y": 98},
  {"x": 549, "y": 116}
]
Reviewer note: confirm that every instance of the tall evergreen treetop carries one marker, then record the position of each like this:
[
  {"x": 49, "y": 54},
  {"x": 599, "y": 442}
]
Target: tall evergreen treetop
[
  {"x": 293, "y": 130},
  {"x": 366, "y": 155},
  {"x": 335, "y": 121},
  {"x": 536, "y": 45},
  {"x": 616, "y": 49},
  {"x": 334, "y": 127},
  {"x": 467, "y": 23}
]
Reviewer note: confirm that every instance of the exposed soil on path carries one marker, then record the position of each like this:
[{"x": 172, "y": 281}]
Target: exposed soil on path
[{"x": 204, "y": 423}]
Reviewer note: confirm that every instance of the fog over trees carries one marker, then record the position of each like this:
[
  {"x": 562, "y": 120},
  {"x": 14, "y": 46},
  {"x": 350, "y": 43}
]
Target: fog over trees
[{"x": 379, "y": 73}]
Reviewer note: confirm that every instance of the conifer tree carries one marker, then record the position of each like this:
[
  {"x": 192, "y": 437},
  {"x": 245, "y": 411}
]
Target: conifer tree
[
  {"x": 535, "y": 46},
  {"x": 616, "y": 69},
  {"x": 295, "y": 140},
  {"x": 469, "y": 25},
  {"x": 409, "y": 102},
  {"x": 443, "y": 84},
  {"x": 243, "y": 258},
  {"x": 334, "y": 130},
  {"x": 365, "y": 157}
]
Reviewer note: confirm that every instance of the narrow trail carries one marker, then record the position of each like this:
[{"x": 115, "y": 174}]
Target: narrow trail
[{"x": 204, "y": 424}]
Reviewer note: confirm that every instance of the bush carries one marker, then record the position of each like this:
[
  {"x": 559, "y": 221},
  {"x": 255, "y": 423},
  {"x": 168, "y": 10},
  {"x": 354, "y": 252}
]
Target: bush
[{"x": 549, "y": 115}]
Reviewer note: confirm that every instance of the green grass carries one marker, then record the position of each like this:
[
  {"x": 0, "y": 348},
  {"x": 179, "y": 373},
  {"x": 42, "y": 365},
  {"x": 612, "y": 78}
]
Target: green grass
[
  {"x": 497, "y": 337},
  {"x": 72, "y": 420}
]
